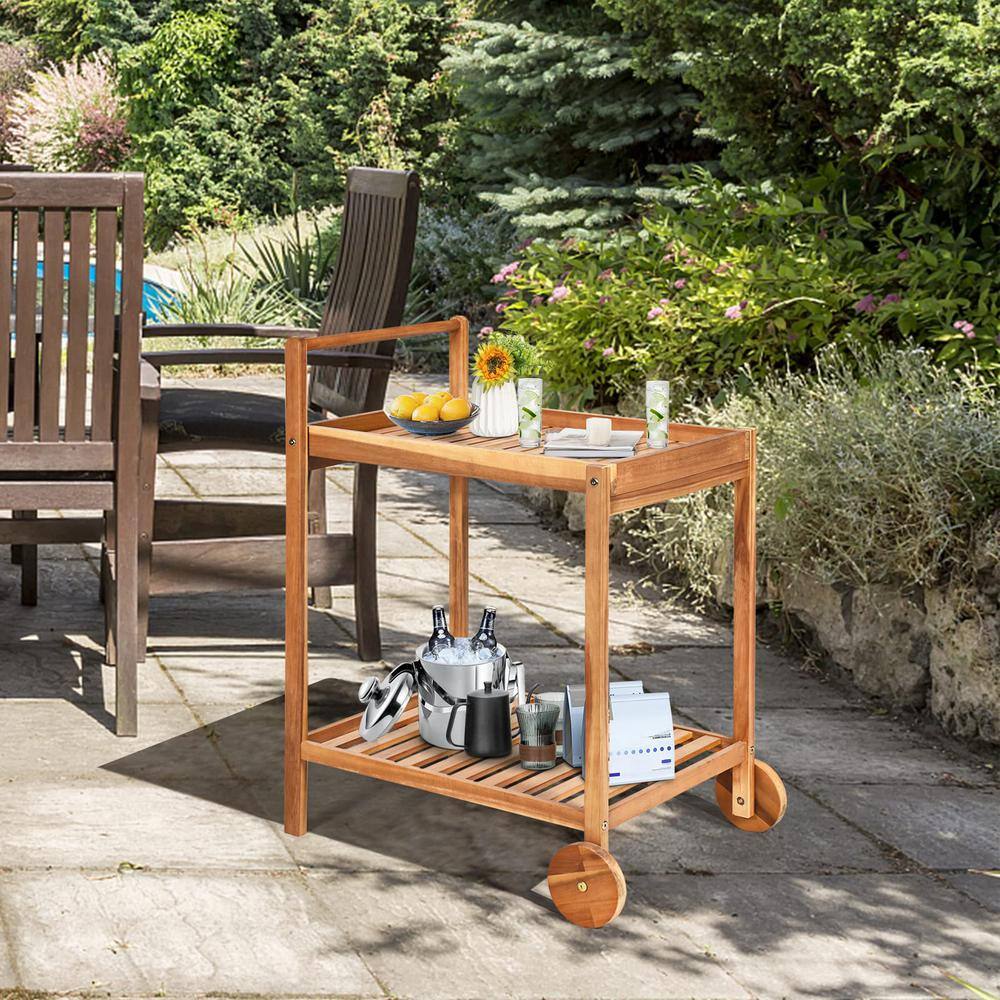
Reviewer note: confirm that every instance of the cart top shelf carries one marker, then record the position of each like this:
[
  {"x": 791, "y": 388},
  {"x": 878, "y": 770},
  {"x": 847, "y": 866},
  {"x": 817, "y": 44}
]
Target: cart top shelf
[{"x": 697, "y": 457}]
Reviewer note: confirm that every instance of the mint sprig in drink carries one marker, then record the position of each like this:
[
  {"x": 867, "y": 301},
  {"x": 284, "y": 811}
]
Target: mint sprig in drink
[
  {"x": 529, "y": 411},
  {"x": 657, "y": 414}
]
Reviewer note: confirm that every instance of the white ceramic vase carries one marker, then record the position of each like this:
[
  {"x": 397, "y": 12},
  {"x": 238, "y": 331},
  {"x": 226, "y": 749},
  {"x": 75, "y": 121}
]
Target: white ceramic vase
[{"x": 497, "y": 415}]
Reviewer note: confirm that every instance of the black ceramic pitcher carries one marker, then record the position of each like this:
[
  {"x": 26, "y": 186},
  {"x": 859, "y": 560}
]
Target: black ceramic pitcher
[{"x": 487, "y": 722}]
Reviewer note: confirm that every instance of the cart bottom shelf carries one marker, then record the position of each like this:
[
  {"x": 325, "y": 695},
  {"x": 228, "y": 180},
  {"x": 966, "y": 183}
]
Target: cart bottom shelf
[{"x": 553, "y": 796}]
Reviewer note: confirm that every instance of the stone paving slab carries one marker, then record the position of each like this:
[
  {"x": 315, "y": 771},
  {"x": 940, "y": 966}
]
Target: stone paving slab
[
  {"x": 938, "y": 826},
  {"x": 90, "y": 823},
  {"x": 444, "y": 937},
  {"x": 687, "y": 835},
  {"x": 849, "y": 746},
  {"x": 883, "y": 936},
  {"x": 169, "y": 934},
  {"x": 71, "y": 670}
]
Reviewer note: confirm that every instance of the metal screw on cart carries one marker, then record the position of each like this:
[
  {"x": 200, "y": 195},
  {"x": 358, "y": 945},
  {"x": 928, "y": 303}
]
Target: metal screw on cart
[
  {"x": 593, "y": 482},
  {"x": 582, "y": 886},
  {"x": 740, "y": 799},
  {"x": 291, "y": 441}
]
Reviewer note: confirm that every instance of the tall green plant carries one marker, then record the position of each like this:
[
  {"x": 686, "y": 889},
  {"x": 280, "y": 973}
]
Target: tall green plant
[{"x": 563, "y": 133}]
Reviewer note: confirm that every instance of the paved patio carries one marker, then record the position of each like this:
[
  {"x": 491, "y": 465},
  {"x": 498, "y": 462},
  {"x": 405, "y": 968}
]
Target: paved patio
[{"x": 158, "y": 867}]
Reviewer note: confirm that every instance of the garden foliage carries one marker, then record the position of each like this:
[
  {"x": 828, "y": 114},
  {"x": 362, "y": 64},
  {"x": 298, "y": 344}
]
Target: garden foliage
[
  {"x": 886, "y": 470},
  {"x": 751, "y": 277},
  {"x": 907, "y": 89},
  {"x": 563, "y": 133}
]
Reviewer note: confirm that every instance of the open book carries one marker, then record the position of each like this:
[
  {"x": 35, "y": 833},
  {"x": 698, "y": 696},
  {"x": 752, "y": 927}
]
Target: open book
[{"x": 571, "y": 442}]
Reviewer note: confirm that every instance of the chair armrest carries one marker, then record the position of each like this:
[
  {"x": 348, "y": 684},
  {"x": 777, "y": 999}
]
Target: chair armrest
[
  {"x": 149, "y": 380},
  {"x": 266, "y": 356},
  {"x": 225, "y": 330}
]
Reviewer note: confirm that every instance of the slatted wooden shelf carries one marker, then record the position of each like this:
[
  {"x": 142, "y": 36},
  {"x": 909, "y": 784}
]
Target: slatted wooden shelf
[
  {"x": 695, "y": 458},
  {"x": 554, "y": 796}
]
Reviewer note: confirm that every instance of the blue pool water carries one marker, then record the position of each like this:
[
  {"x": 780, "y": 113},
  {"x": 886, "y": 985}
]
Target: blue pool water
[{"x": 154, "y": 295}]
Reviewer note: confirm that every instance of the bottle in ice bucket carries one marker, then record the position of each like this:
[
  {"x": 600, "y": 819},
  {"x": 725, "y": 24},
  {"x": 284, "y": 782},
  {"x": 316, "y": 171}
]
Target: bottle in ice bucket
[
  {"x": 484, "y": 638},
  {"x": 440, "y": 638}
]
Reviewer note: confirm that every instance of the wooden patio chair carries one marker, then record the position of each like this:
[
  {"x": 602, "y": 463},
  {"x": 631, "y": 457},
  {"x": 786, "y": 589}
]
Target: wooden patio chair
[
  {"x": 66, "y": 440},
  {"x": 200, "y": 546}
]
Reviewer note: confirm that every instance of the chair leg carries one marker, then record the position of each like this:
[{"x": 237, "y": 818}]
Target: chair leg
[
  {"x": 107, "y": 590},
  {"x": 365, "y": 570},
  {"x": 28, "y": 561},
  {"x": 15, "y": 550},
  {"x": 148, "y": 443},
  {"x": 321, "y": 596},
  {"x": 125, "y": 559}
]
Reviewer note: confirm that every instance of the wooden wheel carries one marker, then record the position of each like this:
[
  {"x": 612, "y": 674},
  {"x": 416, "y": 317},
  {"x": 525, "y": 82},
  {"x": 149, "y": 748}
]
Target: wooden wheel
[
  {"x": 770, "y": 799},
  {"x": 587, "y": 885}
]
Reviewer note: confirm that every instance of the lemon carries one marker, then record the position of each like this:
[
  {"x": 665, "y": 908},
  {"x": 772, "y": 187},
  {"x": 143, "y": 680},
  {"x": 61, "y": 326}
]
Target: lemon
[
  {"x": 455, "y": 409},
  {"x": 442, "y": 396},
  {"x": 418, "y": 396},
  {"x": 403, "y": 406},
  {"x": 425, "y": 412}
]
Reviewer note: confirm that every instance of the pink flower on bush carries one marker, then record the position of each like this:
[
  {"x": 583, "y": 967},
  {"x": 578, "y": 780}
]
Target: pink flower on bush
[
  {"x": 903, "y": 255},
  {"x": 505, "y": 272},
  {"x": 608, "y": 352},
  {"x": 603, "y": 299},
  {"x": 588, "y": 344},
  {"x": 485, "y": 332},
  {"x": 537, "y": 300},
  {"x": 606, "y": 275},
  {"x": 558, "y": 293},
  {"x": 865, "y": 304},
  {"x": 501, "y": 307},
  {"x": 680, "y": 283},
  {"x": 964, "y": 326},
  {"x": 734, "y": 312},
  {"x": 654, "y": 312},
  {"x": 664, "y": 302},
  {"x": 890, "y": 298}
]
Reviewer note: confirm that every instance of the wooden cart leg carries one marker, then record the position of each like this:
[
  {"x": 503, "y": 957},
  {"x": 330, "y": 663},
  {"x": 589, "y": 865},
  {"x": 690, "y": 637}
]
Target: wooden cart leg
[
  {"x": 744, "y": 631},
  {"x": 458, "y": 555},
  {"x": 585, "y": 881},
  {"x": 296, "y": 588},
  {"x": 595, "y": 796}
]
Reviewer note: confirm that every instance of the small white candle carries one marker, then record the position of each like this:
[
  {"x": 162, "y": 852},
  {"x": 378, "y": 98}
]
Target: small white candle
[{"x": 598, "y": 431}]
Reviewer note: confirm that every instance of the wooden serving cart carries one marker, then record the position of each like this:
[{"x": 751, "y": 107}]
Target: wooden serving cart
[{"x": 586, "y": 882}]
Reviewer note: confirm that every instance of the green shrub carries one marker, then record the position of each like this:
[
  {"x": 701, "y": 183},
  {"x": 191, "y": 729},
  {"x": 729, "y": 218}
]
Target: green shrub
[
  {"x": 561, "y": 131},
  {"x": 297, "y": 264},
  {"x": 884, "y": 471},
  {"x": 906, "y": 88},
  {"x": 750, "y": 278},
  {"x": 217, "y": 290},
  {"x": 360, "y": 84}
]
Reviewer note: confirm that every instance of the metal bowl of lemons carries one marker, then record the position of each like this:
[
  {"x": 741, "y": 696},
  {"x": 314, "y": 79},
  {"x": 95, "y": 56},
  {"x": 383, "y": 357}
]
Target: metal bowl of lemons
[{"x": 431, "y": 414}]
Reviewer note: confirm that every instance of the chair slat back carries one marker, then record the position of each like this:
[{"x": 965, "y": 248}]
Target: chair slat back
[
  {"x": 371, "y": 277},
  {"x": 55, "y": 295}
]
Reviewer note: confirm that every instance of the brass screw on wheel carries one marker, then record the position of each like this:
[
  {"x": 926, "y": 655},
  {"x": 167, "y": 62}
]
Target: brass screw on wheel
[{"x": 582, "y": 886}]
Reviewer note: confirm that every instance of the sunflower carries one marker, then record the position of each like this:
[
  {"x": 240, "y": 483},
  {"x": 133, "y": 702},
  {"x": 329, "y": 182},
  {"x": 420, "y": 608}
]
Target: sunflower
[{"x": 493, "y": 366}]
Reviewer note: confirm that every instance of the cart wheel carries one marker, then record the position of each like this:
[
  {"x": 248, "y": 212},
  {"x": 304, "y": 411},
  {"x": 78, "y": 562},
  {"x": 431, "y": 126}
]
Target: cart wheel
[
  {"x": 587, "y": 885},
  {"x": 770, "y": 799}
]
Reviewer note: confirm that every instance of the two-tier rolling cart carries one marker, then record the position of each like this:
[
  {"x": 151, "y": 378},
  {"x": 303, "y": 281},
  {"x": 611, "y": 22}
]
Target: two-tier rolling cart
[{"x": 586, "y": 882}]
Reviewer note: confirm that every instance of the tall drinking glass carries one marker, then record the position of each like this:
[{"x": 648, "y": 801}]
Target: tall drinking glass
[
  {"x": 529, "y": 411},
  {"x": 657, "y": 414}
]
